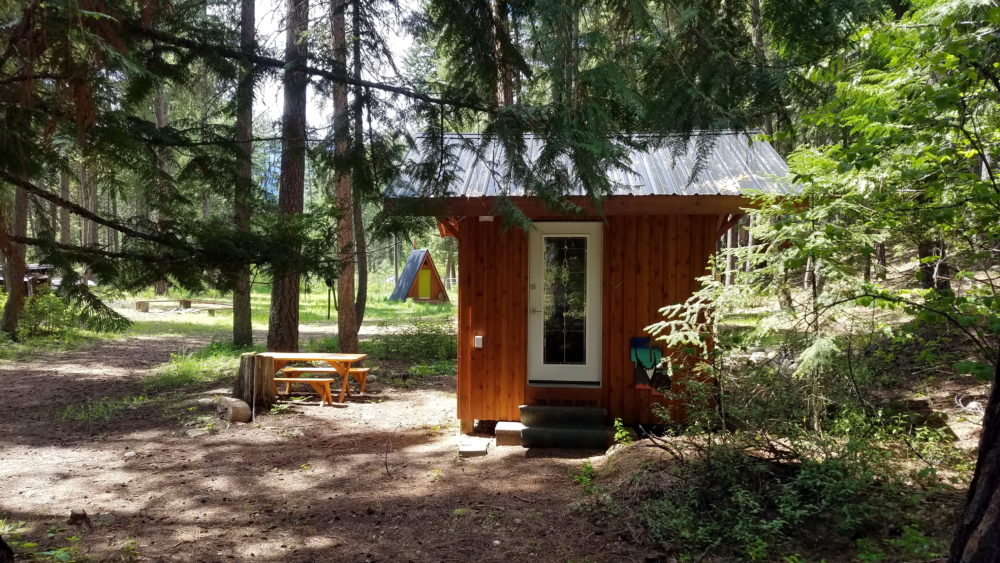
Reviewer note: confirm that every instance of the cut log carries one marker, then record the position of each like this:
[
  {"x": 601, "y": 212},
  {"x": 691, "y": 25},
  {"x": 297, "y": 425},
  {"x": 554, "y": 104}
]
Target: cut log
[
  {"x": 234, "y": 410},
  {"x": 255, "y": 382}
]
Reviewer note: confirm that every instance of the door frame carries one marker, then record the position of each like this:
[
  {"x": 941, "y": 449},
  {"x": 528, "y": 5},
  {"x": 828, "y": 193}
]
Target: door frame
[{"x": 575, "y": 375}]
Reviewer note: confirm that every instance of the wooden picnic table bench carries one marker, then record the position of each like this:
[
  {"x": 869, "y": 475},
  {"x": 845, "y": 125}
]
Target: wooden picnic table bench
[
  {"x": 320, "y": 385},
  {"x": 358, "y": 374},
  {"x": 143, "y": 305},
  {"x": 341, "y": 364}
]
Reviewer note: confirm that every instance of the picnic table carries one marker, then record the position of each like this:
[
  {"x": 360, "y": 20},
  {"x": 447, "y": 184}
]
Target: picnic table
[{"x": 340, "y": 364}]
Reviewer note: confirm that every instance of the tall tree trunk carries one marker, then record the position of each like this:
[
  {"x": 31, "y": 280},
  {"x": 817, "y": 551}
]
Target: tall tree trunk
[
  {"x": 395, "y": 261},
  {"x": 760, "y": 53},
  {"x": 243, "y": 192},
  {"x": 283, "y": 325},
  {"x": 89, "y": 228},
  {"x": 501, "y": 27},
  {"x": 94, "y": 207},
  {"x": 732, "y": 242},
  {"x": 347, "y": 322},
  {"x": 53, "y": 219},
  {"x": 359, "y": 181},
  {"x": 934, "y": 274},
  {"x": 115, "y": 244},
  {"x": 64, "y": 225},
  {"x": 881, "y": 260},
  {"x": 16, "y": 269},
  {"x": 449, "y": 269},
  {"x": 160, "y": 112},
  {"x": 977, "y": 538}
]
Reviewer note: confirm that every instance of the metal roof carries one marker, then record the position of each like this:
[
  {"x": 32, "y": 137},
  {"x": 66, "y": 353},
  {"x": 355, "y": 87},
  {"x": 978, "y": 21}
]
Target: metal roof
[{"x": 736, "y": 165}]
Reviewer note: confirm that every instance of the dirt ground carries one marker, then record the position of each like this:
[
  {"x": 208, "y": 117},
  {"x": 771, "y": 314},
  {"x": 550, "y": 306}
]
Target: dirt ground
[{"x": 379, "y": 479}]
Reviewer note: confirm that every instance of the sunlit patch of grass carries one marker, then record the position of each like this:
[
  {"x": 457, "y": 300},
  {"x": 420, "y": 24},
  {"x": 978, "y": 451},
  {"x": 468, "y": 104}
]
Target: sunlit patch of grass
[
  {"x": 94, "y": 411},
  {"x": 31, "y": 347},
  {"x": 212, "y": 364},
  {"x": 313, "y": 307}
]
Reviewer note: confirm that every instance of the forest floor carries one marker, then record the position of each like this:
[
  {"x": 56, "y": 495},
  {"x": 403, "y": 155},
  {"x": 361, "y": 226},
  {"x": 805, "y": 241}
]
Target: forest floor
[{"x": 378, "y": 479}]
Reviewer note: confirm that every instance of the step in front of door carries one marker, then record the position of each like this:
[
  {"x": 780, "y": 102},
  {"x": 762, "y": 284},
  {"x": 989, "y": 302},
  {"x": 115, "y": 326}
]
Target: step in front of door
[
  {"x": 562, "y": 417},
  {"x": 564, "y": 427},
  {"x": 568, "y": 438}
]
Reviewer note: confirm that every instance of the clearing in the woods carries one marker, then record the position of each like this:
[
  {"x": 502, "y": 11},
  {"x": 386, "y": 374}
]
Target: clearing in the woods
[{"x": 109, "y": 429}]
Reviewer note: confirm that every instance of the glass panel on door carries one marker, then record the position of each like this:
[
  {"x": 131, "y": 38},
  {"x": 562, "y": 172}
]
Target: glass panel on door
[{"x": 564, "y": 304}]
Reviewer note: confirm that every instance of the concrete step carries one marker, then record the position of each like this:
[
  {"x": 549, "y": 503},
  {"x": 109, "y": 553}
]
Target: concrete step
[
  {"x": 570, "y": 438},
  {"x": 562, "y": 417},
  {"x": 473, "y": 446},
  {"x": 509, "y": 433}
]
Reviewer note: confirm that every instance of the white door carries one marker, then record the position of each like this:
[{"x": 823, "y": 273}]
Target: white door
[{"x": 564, "y": 302}]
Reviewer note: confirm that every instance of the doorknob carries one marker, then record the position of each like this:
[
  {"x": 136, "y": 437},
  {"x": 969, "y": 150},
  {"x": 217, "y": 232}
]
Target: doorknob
[{"x": 534, "y": 310}]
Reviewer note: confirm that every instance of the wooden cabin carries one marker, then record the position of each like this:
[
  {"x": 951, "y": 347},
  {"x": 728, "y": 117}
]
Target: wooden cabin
[
  {"x": 546, "y": 317},
  {"x": 420, "y": 280},
  {"x": 37, "y": 277}
]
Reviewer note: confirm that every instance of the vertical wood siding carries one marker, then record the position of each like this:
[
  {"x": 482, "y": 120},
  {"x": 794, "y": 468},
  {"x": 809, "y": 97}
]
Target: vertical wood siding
[
  {"x": 492, "y": 303},
  {"x": 649, "y": 262}
]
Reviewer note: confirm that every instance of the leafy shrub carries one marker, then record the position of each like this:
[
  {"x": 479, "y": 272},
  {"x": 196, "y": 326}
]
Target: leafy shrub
[
  {"x": 45, "y": 313},
  {"x": 441, "y": 367},
  {"x": 756, "y": 505},
  {"x": 421, "y": 341}
]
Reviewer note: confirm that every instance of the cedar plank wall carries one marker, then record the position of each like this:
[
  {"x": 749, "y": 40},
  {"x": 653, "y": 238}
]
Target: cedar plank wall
[
  {"x": 649, "y": 261},
  {"x": 492, "y": 302}
]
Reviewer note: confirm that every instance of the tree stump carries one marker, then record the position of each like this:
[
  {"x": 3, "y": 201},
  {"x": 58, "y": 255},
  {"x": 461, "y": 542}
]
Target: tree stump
[{"x": 255, "y": 382}]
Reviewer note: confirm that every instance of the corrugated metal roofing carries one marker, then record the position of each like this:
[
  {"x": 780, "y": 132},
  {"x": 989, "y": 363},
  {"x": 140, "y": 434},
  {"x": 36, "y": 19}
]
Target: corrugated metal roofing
[{"x": 735, "y": 166}]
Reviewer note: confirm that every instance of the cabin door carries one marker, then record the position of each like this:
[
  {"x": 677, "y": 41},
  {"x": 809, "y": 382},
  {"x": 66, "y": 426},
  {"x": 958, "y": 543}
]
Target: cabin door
[
  {"x": 564, "y": 302},
  {"x": 424, "y": 284}
]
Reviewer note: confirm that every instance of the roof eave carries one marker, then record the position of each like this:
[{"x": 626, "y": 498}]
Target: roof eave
[{"x": 536, "y": 208}]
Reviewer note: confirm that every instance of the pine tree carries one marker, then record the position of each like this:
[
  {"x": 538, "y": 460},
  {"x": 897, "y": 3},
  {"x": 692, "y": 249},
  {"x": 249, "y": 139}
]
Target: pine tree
[
  {"x": 243, "y": 187},
  {"x": 283, "y": 327},
  {"x": 347, "y": 325}
]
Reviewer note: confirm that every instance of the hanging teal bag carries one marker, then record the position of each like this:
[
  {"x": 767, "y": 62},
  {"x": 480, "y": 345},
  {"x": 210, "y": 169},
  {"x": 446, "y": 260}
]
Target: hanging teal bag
[{"x": 647, "y": 364}]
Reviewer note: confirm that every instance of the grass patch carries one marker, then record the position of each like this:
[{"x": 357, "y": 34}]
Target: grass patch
[
  {"x": 417, "y": 374},
  {"x": 313, "y": 308},
  {"x": 212, "y": 365},
  {"x": 35, "y": 346},
  {"x": 63, "y": 546},
  {"x": 215, "y": 363},
  {"x": 96, "y": 411}
]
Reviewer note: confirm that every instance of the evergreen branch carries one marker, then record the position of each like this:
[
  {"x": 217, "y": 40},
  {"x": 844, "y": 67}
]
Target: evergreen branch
[
  {"x": 278, "y": 64},
  {"x": 49, "y": 243},
  {"x": 87, "y": 214},
  {"x": 27, "y": 77},
  {"x": 983, "y": 347}
]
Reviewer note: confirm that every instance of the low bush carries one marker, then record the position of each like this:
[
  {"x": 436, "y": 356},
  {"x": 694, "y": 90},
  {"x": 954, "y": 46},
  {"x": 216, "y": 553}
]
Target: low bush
[
  {"x": 45, "y": 314},
  {"x": 421, "y": 341}
]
